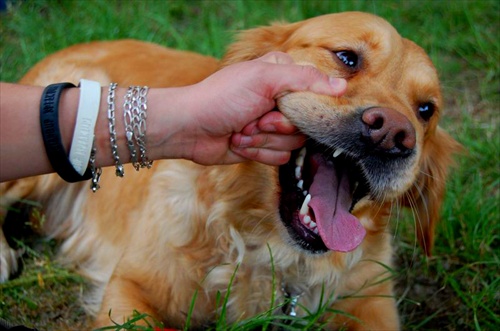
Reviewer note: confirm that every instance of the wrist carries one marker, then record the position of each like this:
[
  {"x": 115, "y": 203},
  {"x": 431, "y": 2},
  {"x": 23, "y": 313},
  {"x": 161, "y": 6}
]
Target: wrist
[
  {"x": 170, "y": 131},
  {"x": 68, "y": 104}
]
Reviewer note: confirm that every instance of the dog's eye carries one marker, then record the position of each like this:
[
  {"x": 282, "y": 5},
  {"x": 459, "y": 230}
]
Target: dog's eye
[
  {"x": 426, "y": 110},
  {"x": 349, "y": 58}
]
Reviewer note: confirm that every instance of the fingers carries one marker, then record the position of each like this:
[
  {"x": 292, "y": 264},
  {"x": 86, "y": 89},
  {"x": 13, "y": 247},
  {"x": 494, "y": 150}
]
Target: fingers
[
  {"x": 294, "y": 77},
  {"x": 268, "y": 140},
  {"x": 272, "y": 131},
  {"x": 271, "y": 122},
  {"x": 277, "y": 142},
  {"x": 268, "y": 148},
  {"x": 308, "y": 78},
  {"x": 275, "y": 121},
  {"x": 276, "y": 57},
  {"x": 265, "y": 156}
]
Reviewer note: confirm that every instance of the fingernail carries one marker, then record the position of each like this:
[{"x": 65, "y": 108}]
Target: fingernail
[
  {"x": 269, "y": 127},
  {"x": 245, "y": 141},
  {"x": 338, "y": 84}
]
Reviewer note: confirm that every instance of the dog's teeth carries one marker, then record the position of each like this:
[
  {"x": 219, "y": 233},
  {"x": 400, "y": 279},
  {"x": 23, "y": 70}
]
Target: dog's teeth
[
  {"x": 300, "y": 159},
  {"x": 298, "y": 173},
  {"x": 303, "y": 152},
  {"x": 300, "y": 184},
  {"x": 307, "y": 219},
  {"x": 305, "y": 192},
  {"x": 337, "y": 152},
  {"x": 312, "y": 225},
  {"x": 305, "y": 208},
  {"x": 315, "y": 230}
]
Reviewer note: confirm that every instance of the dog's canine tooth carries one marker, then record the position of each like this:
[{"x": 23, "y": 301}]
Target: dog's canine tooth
[
  {"x": 337, "y": 152},
  {"x": 299, "y": 161},
  {"x": 300, "y": 158},
  {"x": 305, "y": 208}
]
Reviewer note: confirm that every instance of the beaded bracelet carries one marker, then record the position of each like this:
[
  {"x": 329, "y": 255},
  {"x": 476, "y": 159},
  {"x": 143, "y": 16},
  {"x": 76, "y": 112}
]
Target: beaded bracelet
[{"x": 49, "y": 122}]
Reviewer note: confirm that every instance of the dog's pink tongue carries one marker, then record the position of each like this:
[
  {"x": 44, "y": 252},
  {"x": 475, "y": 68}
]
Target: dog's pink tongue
[{"x": 331, "y": 200}]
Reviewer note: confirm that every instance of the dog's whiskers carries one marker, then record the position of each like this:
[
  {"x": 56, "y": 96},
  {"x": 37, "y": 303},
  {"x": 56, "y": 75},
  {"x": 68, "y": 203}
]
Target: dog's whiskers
[{"x": 416, "y": 220}]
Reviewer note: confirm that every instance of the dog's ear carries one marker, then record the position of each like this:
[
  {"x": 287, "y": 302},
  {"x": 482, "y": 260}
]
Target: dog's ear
[
  {"x": 254, "y": 43},
  {"x": 426, "y": 197}
]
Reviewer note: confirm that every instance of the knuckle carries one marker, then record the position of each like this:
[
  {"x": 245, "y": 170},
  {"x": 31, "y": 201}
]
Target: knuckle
[
  {"x": 311, "y": 71},
  {"x": 276, "y": 57}
]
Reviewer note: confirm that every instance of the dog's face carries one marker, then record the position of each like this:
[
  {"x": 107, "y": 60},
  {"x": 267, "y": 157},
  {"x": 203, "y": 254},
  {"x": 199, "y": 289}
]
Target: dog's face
[{"x": 366, "y": 147}]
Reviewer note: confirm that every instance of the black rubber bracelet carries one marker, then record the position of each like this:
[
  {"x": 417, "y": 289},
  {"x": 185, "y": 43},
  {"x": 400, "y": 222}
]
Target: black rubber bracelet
[{"x": 49, "y": 122}]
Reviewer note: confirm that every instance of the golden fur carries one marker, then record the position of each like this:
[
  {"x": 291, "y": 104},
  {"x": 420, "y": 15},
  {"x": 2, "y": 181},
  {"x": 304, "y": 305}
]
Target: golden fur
[{"x": 152, "y": 239}]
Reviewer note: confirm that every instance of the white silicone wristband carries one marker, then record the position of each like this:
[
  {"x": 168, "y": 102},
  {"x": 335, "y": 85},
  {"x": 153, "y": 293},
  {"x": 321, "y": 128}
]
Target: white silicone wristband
[{"x": 83, "y": 136}]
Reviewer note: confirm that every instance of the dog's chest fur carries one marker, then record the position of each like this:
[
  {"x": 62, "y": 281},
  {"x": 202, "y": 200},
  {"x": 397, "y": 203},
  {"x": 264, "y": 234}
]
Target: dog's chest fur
[
  {"x": 212, "y": 231},
  {"x": 225, "y": 235}
]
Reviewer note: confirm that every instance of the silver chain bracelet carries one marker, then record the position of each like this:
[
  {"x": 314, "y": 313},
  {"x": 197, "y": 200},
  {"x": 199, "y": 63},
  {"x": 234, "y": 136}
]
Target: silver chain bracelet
[
  {"x": 134, "y": 113},
  {"x": 96, "y": 172},
  {"x": 140, "y": 126},
  {"x": 120, "y": 171},
  {"x": 128, "y": 117}
]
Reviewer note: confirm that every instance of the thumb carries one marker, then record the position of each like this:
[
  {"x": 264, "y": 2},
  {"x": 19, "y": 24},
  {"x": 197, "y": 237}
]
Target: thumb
[
  {"x": 293, "y": 77},
  {"x": 308, "y": 78}
]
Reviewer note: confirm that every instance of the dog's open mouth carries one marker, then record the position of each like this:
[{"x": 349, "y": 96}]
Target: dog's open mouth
[{"x": 319, "y": 188}]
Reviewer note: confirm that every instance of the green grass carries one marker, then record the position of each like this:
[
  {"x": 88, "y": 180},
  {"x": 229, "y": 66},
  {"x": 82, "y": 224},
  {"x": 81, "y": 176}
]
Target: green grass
[{"x": 458, "y": 288}]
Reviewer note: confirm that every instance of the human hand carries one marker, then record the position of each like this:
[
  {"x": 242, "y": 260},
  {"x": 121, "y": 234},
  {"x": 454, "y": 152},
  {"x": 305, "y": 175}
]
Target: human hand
[{"x": 238, "y": 121}]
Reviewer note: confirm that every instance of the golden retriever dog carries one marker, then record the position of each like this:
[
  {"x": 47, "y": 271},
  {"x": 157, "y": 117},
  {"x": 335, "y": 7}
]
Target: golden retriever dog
[{"x": 177, "y": 239}]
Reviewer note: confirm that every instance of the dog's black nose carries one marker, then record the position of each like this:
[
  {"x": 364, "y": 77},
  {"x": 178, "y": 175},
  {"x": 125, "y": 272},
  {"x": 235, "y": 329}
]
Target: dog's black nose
[{"x": 388, "y": 131}]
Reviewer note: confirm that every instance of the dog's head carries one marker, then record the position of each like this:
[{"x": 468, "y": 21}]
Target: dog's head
[{"x": 379, "y": 142}]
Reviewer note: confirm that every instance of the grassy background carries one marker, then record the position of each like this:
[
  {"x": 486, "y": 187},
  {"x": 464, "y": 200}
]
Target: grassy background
[{"x": 459, "y": 287}]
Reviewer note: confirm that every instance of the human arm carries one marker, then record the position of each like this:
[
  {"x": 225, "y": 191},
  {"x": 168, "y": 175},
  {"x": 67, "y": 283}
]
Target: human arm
[
  {"x": 233, "y": 117},
  {"x": 223, "y": 119}
]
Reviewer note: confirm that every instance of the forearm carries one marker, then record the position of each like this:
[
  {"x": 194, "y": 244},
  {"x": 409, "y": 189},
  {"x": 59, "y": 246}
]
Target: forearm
[
  {"x": 165, "y": 136},
  {"x": 22, "y": 148},
  {"x": 224, "y": 119}
]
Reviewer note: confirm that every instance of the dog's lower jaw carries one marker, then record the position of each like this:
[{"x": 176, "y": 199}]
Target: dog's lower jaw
[{"x": 318, "y": 192}]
